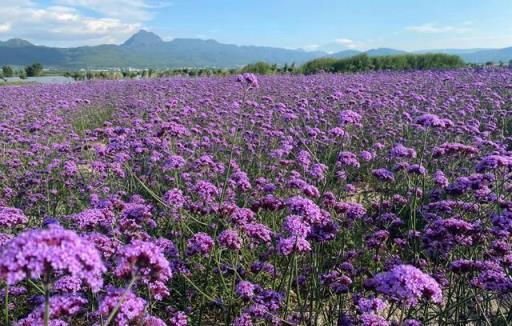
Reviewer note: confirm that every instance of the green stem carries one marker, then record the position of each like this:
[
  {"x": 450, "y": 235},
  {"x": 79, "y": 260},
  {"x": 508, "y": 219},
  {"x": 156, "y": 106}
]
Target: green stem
[
  {"x": 46, "y": 305},
  {"x": 6, "y": 301}
]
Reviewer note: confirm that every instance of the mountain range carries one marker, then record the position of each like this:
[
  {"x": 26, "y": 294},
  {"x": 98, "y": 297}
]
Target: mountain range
[{"x": 147, "y": 50}]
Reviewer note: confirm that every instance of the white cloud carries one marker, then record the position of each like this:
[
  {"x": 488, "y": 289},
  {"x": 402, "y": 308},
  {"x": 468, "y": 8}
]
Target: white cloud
[
  {"x": 127, "y": 10},
  {"x": 348, "y": 43},
  {"x": 5, "y": 28},
  {"x": 434, "y": 28},
  {"x": 64, "y": 23},
  {"x": 311, "y": 47}
]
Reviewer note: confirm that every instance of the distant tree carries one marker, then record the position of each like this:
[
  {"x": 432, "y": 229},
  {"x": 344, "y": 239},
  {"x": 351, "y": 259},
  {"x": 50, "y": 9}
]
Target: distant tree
[
  {"x": 22, "y": 74},
  {"x": 293, "y": 68},
  {"x": 363, "y": 62},
  {"x": 77, "y": 75},
  {"x": 510, "y": 63},
  {"x": 7, "y": 71},
  {"x": 489, "y": 63},
  {"x": 261, "y": 68},
  {"x": 319, "y": 65},
  {"x": 34, "y": 70}
]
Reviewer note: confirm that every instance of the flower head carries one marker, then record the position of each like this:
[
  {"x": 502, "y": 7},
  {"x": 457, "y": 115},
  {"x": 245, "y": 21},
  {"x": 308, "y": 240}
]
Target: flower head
[
  {"x": 131, "y": 307},
  {"x": 201, "y": 243},
  {"x": 10, "y": 217},
  {"x": 146, "y": 260},
  {"x": 230, "y": 239},
  {"x": 407, "y": 284},
  {"x": 37, "y": 253}
]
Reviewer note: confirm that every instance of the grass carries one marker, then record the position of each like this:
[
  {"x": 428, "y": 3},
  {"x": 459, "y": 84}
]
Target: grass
[
  {"x": 90, "y": 118},
  {"x": 15, "y": 83}
]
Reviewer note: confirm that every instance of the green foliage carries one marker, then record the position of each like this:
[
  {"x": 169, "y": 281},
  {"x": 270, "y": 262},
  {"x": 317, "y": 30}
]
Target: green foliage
[
  {"x": 363, "y": 62},
  {"x": 22, "y": 74},
  {"x": 319, "y": 65},
  {"x": 261, "y": 68},
  {"x": 90, "y": 118},
  {"x": 358, "y": 63},
  {"x": 7, "y": 71},
  {"x": 34, "y": 70}
]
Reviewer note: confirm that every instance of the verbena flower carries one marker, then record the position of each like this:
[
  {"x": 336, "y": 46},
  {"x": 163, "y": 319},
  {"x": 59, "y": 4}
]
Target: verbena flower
[
  {"x": 67, "y": 284},
  {"x": 11, "y": 217},
  {"x": 93, "y": 217},
  {"x": 243, "y": 320},
  {"x": 250, "y": 79},
  {"x": 384, "y": 175},
  {"x": 146, "y": 261},
  {"x": 295, "y": 226},
  {"x": 179, "y": 319},
  {"x": 131, "y": 307},
  {"x": 257, "y": 232},
  {"x": 346, "y": 158},
  {"x": 337, "y": 281},
  {"x": 400, "y": 150},
  {"x": 369, "y": 305},
  {"x": 38, "y": 254},
  {"x": 493, "y": 162},
  {"x": 246, "y": 290},
  {"x": 408, "y": 285},
  {"x": 349, "y": 117},
  {"x": 286, "y": 246},
  {"x": 454, "y": 148},
  {"x": 62, "y": 306},
  {"x": 230, "y": 239},
  {"x": 153, "y": 321},
  {"x": 371, "y": 319},
  {"x": 201, "y": 243},
  {"x": 432, "y": 120}
]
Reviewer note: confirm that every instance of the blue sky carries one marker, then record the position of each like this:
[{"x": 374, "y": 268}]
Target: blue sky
[{"x": 313, "y": 25}]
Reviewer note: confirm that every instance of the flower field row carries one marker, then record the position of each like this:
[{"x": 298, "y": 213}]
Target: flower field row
[{"x": 365, "y": 199}]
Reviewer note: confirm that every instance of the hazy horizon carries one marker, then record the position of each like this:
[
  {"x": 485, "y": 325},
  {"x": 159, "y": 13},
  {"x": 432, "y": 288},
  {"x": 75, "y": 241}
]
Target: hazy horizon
[
  {"x": 328, "y": 26},
  {"x": 326, "y": 49}
]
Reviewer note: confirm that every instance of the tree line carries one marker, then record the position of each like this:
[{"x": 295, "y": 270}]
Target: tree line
[
  {"x": 33, "y": 70},
  {"x": 363, "y": 62},
  {"x": 358, "y": 63}
]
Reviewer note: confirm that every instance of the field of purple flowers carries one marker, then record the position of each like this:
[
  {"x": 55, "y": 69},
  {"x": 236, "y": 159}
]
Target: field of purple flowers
[{"x": 365, "y": 199}]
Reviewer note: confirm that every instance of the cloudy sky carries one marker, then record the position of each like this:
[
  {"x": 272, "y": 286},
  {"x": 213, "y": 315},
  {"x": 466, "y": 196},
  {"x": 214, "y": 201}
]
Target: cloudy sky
[{"x": 328, "y": 25}]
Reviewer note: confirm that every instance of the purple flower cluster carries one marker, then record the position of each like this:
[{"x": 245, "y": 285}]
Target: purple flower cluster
[
  {"x": 60, "y": 307},
  {"x": 384, "y": 175},
  {"x": 130, "y": 307},
  {"x": 230, "y": 239},
  {"x": 91, "y": 218},
  {"x": 432, "y": 120},
  {"x": 201, "y": 243},
  {"x": 41, "y": 254},
  {"x": 145, "y": 260},
  {"x": 259, "y": 199},
  {"x": 408, "y": 285},
  {"x": 11, "y": 217}
]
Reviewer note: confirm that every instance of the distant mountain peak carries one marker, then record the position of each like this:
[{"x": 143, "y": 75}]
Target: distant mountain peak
[
  {"x": 143, "y": 38},
  {"x": 383, "y": 51},
  {"x": 16, "y": 43},
  {"x": 344, "y": 53},
  {"x": 145, "y": 49}
]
